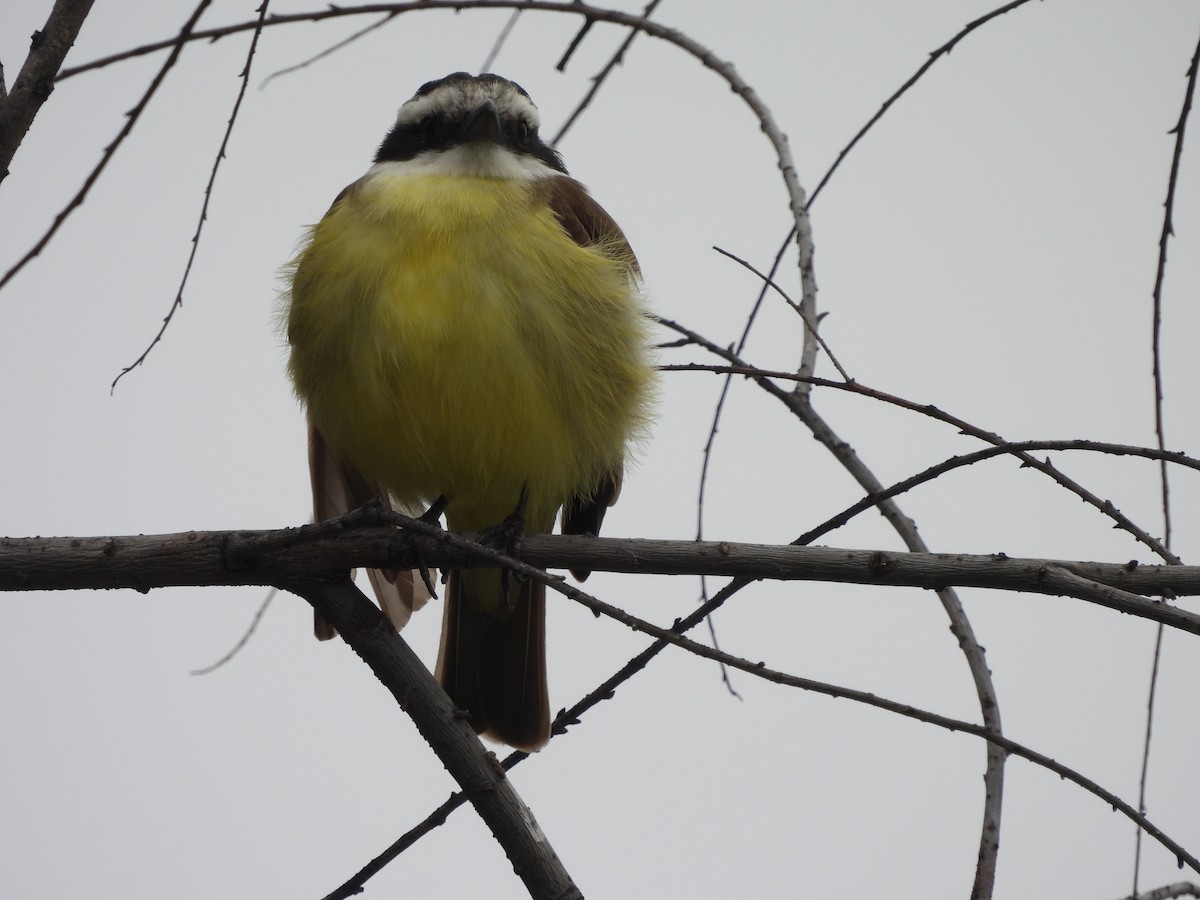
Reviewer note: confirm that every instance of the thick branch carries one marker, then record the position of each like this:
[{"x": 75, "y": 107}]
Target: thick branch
[
  {"x": 33, "y": 85},
  {"x": 476, "y": 769},
  {"x": 143, "y": 562}
]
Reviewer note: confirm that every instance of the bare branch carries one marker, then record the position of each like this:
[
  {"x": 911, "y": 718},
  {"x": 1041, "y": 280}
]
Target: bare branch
[
  {"x": 989, "y": 838},
  {"x": 1160, "y": 429},
  {"x": 934, "y": 56},
  {"x": 1000, "y": 745},
  {"x": 561, "y": 65},
  {"x": 562, "y": 722},
  {"x": 208, "y": 190},
  {"x": 1004, "y": 745},
  {"x": 762, "y": 377},
  {"x": 131, "y": 119},
  {"x": 604, "y": 691},
  {"x": 598, "y": 79},
  {"x": 328, "y": 51},
  {"x": 808, "y": 324},
  {"x": 1167, "y": 230},
  {"x": 596, "y": 13},
  {"x": 48, "y": 48},
  {"x": 417, "y": 692},
  {"x": 243, "y": 640},
  {"x": 501, "y": 38},
  {"x": 289, "y": 558},
  {"x": 968, "y": 459},
  {"x": 799, "y": 403},
  {"x": 796, "y": 196},
  {"x": 960, "y": 627},
  {"x": 205, "y": 558}
]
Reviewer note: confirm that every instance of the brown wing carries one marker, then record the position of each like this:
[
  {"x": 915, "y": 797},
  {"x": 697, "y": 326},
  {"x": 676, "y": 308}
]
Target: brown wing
[
  {"x": 337, "y": 489},
  {"x": 585, "y": 220},
  {"x": 589, "y": 224}
]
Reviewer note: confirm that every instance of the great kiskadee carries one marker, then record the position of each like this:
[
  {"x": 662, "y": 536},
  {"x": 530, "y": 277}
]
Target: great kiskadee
[{"x": 465, "y": 324}]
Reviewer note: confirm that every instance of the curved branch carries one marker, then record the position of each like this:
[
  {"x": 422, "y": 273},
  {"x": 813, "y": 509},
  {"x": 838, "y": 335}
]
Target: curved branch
[{"x": 934, "y": 56}]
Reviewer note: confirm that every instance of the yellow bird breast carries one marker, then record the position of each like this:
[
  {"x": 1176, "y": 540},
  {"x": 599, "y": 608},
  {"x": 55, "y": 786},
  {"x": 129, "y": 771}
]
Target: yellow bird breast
[{"x": 450, "y": 338}]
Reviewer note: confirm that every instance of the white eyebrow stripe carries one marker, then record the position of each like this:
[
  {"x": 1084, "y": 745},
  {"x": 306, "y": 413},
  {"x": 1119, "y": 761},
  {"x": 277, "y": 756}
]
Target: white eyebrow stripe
[{"x": 459, "y": 98}]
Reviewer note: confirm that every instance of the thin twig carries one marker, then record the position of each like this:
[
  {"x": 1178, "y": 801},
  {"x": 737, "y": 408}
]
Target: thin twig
[
  {"x": 968, "y": 459},
  {"x": 934, "y": 56},
  {"x": 328, "y": 51},
  {"x": 208, "y": 190},
  {"x": 598, "y": 79},
  {"x": 1168, "y": 229},
  {"x": 131, "y": 119},
  {"x": 989, "y": 838},
  {"x": 1007, "y": 745},
  {"x": 561, "y": 65},
  {"x": 1151, "y": 695},
  {"x": 811, "y": 326},
  {"x": 1159, "y": 426},
  {"x": 243, "y": 640},
  {"x": 763, "y": 377},
  {"x": 710, "y": 442},
  {"x": 500, "y": 41},
  {"x": 600, "y": 14}
]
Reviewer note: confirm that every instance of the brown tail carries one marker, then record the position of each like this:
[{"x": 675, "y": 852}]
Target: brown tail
[{"x": 494, "y": 667}]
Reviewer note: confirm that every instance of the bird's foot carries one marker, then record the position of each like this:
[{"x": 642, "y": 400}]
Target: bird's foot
[
  {"x": 506, "y": 538},
  {"x": 404, "y": 542},
  {"x": 434, "y": 513},
  {"x": 431, "y": 516}
]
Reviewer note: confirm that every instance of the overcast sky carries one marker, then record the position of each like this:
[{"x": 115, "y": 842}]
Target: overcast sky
[{"x": 990, "y": 247}]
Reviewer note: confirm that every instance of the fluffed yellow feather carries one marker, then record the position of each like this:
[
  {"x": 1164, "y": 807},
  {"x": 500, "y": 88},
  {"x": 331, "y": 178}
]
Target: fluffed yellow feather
[{"x": 450, "y": 338}]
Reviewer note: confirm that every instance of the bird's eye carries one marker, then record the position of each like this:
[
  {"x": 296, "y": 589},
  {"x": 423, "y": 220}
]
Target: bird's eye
[
  {"x": 428, "y": 127},
  {"x": 524, "y": 132}
]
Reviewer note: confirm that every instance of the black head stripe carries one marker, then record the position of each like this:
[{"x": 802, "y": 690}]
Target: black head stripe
[{"x": 429, "y": 126}]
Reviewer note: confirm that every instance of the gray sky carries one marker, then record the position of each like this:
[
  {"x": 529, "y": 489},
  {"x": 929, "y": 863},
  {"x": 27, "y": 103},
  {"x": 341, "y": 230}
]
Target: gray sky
[{"x": 990, "y": 248}]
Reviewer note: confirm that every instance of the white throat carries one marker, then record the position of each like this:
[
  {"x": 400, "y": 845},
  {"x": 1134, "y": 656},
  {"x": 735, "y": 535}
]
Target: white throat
[{"x": 478, "y": 159}]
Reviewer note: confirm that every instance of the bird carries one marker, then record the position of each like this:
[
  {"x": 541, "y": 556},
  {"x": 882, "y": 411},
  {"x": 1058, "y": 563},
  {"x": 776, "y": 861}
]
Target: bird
[{"x": 466, "y": 328}]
